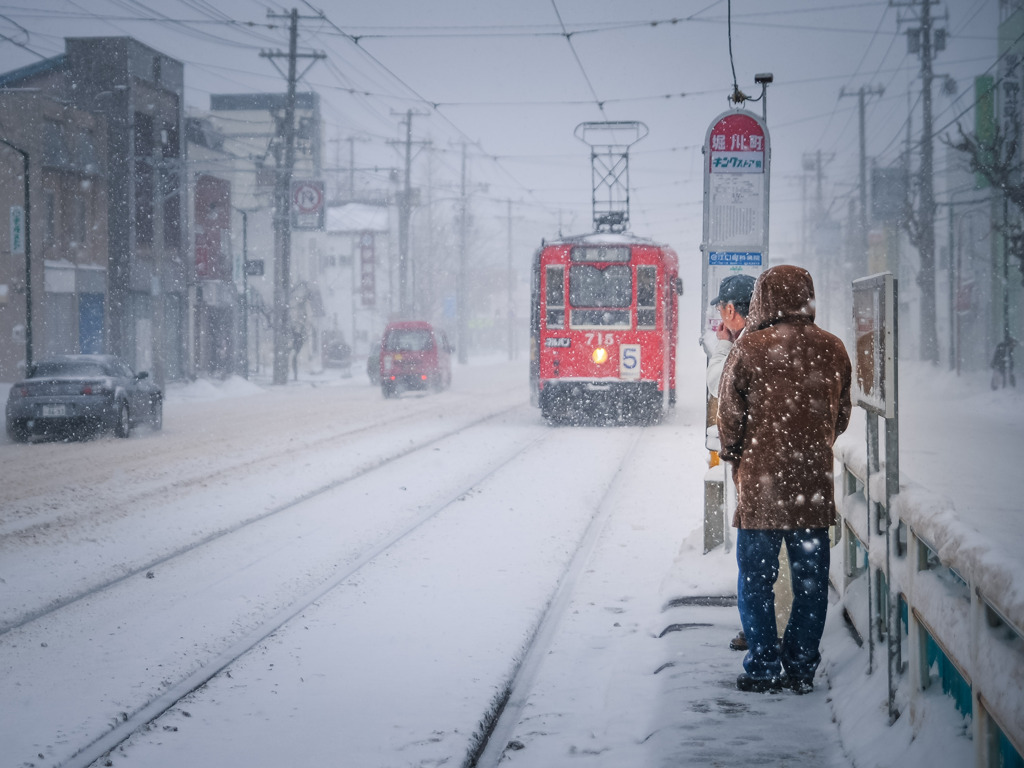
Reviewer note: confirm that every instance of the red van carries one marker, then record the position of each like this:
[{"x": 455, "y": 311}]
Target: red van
[{"x": 414, "y": 355}]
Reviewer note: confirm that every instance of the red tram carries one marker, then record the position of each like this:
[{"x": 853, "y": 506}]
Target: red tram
[{"x": 604, "y": 329}]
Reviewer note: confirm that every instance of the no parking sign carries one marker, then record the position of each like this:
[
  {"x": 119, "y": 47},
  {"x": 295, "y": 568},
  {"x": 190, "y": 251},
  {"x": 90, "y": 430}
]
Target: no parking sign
[{"x": 307, "y": 204}]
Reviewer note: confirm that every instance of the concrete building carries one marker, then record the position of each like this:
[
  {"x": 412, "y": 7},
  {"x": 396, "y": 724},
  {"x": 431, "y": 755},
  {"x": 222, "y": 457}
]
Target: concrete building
[
  {"x": 139, "y": 92},
  {"x": 67, "y": 209}
]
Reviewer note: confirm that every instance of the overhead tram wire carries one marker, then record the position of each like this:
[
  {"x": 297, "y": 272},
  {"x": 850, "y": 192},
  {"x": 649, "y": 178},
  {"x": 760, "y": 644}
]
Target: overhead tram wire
[
  {"x": 432, "y": 105},
  {"x": 28, "y": 36},
  {"x": 979, "y": 7},
  {"x": 916, "y": 145},
  {"x": 736, "y": 94},
  {"x": 583, "y": 70},
  {"x": 184, "y": 27},
  {"x": 754, "y": 19},
  {"x": 899, "y": 135},
  {"x": 856, "y": 73}
]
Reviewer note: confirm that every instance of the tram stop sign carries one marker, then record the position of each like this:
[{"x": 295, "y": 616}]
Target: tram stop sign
[
  {"x": 737, "y": 155},
  {"x": 736, "y": 172},
  {"x": 307, "y": 204}
]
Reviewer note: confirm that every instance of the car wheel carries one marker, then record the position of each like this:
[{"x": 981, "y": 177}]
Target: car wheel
[
  {"x": 17, "y": 431},
  {"x": 387, "y": 388},
  {"x": 123, "y": 425},
  {"x": 156, "y": 413}
]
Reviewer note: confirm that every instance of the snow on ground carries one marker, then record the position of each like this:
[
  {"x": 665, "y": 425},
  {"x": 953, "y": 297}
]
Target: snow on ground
[
  {"x": 961, "y": 445},
  {"x": 613, "y": 689},
  {"x": 615, "y": 692}
]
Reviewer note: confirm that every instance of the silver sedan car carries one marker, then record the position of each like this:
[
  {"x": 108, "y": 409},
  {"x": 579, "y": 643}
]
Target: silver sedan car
[{"x": 79, "y": 395}]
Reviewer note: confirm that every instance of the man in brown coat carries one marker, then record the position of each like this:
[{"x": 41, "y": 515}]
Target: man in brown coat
[{"x": 783, "y": 400}]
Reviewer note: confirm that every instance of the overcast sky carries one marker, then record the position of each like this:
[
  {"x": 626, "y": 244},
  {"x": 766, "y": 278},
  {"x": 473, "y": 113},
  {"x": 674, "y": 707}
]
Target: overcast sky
[{"x": 514, "y": 79}]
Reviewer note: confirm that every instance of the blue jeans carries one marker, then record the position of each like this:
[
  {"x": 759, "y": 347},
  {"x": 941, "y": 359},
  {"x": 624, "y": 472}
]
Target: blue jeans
[{"x": 757, "y": 555}]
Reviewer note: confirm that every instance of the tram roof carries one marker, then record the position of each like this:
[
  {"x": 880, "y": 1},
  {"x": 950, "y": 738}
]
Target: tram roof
[{"x": 603, "y": 238}]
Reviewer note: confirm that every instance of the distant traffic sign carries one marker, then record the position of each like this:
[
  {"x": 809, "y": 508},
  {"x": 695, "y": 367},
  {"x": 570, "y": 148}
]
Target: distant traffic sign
[{"x": 308, "y": 204}]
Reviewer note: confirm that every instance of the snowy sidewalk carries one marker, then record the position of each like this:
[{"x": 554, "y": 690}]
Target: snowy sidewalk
[
  {"x": 615, "y": 691},
  {"x": 706, "y": 721}
]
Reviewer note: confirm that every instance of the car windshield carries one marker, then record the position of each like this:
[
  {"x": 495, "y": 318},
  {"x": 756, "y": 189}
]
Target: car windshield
[
  {"x": 407, "y": 340},
  {"x": 68, "y": 368}
]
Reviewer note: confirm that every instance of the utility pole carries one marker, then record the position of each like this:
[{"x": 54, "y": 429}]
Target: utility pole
[
  {"x": 862, "y": 93},
  {"x": 404, "y": 214},
  {"x": 925, "y": 41},
  {"x": 461, "y": 305},
  {"x": 509, "y": 311},
  {"x": 282, "y": 200},
  {"x": 824, "y": 253},
  {"x": 814, "y": 162}
]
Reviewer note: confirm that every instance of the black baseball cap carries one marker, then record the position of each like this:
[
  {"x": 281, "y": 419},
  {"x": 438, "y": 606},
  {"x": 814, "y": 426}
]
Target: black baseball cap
[{"x": 735, "y": 289}]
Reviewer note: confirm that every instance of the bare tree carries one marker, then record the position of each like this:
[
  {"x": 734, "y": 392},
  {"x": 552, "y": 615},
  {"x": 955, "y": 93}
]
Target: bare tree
[{"x": 997, "y": 160}]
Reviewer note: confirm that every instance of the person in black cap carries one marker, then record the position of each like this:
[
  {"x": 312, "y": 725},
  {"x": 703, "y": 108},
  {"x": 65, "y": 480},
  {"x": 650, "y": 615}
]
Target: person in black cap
[{"x": 733, "y": 302}]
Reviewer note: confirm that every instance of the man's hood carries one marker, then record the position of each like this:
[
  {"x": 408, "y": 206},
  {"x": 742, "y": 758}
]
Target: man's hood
[{"x": 781, "y": 293}]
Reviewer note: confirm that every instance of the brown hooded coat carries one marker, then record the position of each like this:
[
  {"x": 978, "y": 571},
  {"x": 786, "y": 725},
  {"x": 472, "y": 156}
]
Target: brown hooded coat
[{"x": 783, "y": 399}]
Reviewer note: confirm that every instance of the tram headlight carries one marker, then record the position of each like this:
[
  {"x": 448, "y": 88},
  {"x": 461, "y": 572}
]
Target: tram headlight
[{"x": 599, "y": 355}]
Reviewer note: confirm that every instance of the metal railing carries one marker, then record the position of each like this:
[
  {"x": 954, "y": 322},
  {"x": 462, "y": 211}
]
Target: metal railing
[{"x": 952, "y": 632}]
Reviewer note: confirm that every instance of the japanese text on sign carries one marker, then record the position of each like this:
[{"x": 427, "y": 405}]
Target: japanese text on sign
[
  {"x": 736, "y": 145},
  {"x": 735, "y": 258},
  {"x": 738, "y": 162},
  {"x": 17, "y": 229}
]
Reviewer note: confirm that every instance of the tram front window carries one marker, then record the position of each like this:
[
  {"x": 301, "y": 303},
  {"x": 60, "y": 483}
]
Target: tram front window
[{"x": 600, "y": 296}]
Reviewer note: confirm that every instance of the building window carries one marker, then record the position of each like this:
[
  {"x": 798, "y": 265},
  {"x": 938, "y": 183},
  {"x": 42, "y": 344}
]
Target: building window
[
  {"x": 79, "y": 221},
  {"x": 85, "y": 153},
  {"x": 49, "y": 216},
  {"x": 170, "y": 185},
  {"x": 144, "y": 184},
  {"x": 55, "y": 148}
]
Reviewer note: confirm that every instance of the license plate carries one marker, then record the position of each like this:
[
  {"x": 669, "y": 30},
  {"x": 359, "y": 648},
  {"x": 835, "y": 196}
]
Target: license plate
[{"x": 53, "y": 410}]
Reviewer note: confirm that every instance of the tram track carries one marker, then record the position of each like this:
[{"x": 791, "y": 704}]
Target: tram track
[
  {"x": 96, "y": 750},
  {"x": 185, "y": 666},
  {"x": 148, "y": 566},
  {"x": 498, "y": 725},
  {"x": 179, "y": 477},
  {"x": 495, "y": 716}
]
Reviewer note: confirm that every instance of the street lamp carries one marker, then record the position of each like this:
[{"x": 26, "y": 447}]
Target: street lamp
[
  {"x": 28, "y": 256},
  {"x": 764, "y": 79}
]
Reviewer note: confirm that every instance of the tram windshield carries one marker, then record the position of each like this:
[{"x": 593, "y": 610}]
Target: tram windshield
[
  {"x": 611, "y": 286},
  {"x": 593, "y": 291}
]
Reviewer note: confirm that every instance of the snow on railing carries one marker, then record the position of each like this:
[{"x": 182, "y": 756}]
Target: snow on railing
[{"x": 961, "y": 621}]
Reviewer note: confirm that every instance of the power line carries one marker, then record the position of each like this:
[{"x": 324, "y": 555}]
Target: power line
[{"x": 576, "y": 56}]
